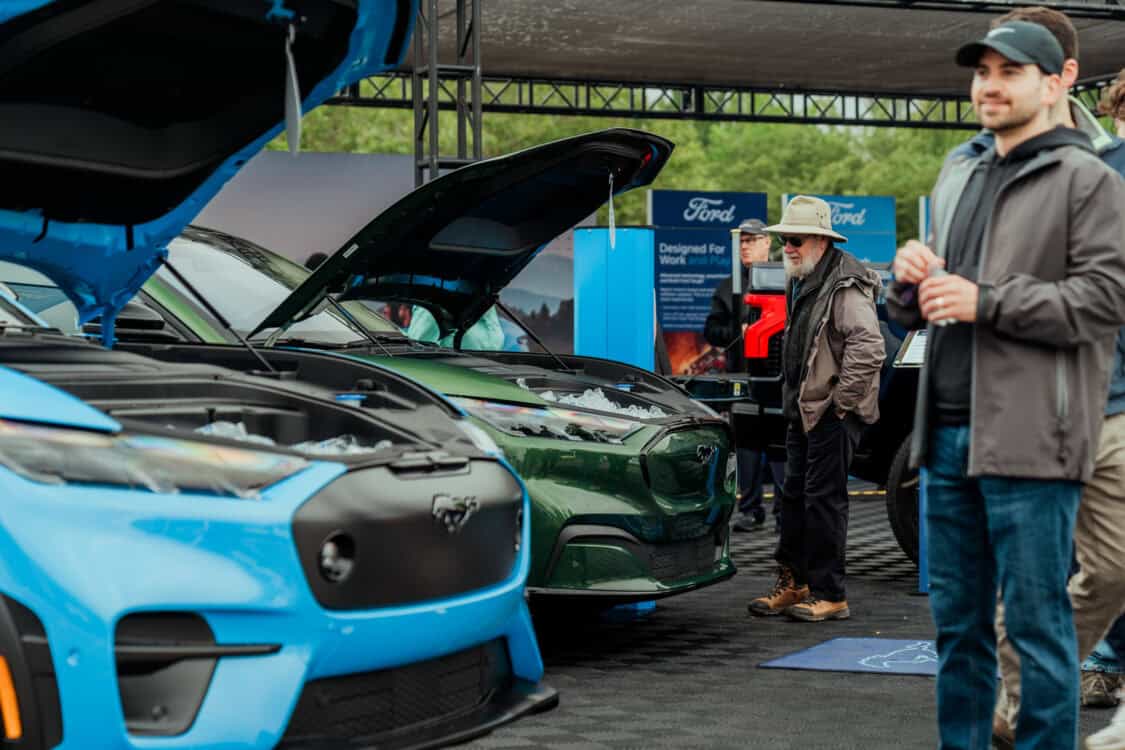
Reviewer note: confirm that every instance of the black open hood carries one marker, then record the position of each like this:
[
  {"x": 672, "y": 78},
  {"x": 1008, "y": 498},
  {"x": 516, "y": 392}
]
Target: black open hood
[{"x": 454, "y": 243}]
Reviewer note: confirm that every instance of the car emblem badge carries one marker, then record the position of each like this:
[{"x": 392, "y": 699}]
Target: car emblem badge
[
  {"x": 704, "y": 453},
  {"x": 454, "y": 512}
]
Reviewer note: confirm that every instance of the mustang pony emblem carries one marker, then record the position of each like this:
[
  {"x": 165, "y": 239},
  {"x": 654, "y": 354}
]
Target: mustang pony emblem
[
  {"x": 454, "y": 512},
  {"x": 704, "y": 453}
]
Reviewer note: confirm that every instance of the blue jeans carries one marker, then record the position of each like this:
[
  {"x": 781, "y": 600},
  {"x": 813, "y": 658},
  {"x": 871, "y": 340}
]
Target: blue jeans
[{"x": 989, "y": 534}]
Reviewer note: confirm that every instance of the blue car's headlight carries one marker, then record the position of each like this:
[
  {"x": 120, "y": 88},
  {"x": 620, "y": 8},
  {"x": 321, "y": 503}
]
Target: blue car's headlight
[
  {"x": 549, "y": 422},
  {"x": 57, "y": 455}
]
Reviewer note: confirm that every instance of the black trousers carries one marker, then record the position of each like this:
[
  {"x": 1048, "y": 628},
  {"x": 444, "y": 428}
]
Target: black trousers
[{"x": 814, "y": 504}]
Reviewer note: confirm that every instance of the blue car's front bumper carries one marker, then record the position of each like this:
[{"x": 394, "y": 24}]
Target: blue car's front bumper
[{"x": 82, "y": 558}]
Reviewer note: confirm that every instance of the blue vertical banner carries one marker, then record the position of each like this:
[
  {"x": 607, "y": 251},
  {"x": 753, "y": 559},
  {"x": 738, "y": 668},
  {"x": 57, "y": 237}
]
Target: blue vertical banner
[
  {"x": 702, "y": 209},
  {"x": 868, "y": 221},
  {"x": 613, "y": 304}
]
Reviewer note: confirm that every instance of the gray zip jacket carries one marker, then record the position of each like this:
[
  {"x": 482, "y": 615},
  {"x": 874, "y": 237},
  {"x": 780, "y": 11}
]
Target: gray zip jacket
[{"x": 1052, "y": 296}]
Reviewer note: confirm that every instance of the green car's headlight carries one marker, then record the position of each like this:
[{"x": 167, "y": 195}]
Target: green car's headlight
[
  {"x": 549, "y": 422},
  {"x": 57, "y": 455}
]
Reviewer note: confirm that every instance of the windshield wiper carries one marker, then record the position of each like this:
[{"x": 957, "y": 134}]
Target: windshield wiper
[
  {"x": 218, "y": 316},
  {"x": 28, "y": 328},
  {"x": 531, "y": 333}
]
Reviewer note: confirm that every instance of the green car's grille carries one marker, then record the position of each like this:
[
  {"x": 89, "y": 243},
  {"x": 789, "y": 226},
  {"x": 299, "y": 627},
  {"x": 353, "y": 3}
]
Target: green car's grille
[{"x": 670, "y": 562}]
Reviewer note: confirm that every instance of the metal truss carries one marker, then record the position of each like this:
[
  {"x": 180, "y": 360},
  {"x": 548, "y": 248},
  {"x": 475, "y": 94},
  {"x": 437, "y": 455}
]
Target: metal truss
[
  {"x": 674, "y": 101},
  {"x": 435, "y": 86},
  {"x": 680, "y": 102}
]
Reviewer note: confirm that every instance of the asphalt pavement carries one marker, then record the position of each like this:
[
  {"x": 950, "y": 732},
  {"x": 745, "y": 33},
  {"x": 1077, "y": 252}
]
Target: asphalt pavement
[{"x": 686, "y": 674}]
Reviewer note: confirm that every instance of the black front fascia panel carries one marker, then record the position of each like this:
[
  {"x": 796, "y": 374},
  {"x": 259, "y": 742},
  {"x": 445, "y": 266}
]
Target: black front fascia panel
[{"x": 399, "y": 550}]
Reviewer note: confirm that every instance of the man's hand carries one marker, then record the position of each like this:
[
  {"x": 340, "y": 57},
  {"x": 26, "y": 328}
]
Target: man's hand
[
  {"x": 948, "y": 297},
  {"x": 913, "y": 262}
]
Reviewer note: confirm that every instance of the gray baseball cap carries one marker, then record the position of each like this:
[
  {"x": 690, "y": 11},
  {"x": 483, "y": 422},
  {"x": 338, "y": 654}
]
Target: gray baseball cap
[
  {"x": 1019, "y": 41},
  {"x": 752, "y": 226}
]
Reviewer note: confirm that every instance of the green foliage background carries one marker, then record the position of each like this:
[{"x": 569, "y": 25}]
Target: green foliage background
[{"x": 772, "y": 158}]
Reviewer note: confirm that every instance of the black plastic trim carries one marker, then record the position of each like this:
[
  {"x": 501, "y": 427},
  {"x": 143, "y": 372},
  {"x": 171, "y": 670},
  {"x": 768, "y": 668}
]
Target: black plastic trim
[
  {"x": 23, "y": 641},
  {"x": 594, "y": 532},
  {"x": 170, "y": 654},
  {"x": 624, "y": 597},
  {"x": 165, "y": 663}
]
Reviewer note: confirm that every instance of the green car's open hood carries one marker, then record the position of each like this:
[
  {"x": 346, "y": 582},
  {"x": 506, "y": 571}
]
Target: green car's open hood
[{"x": 454, "y": 243}]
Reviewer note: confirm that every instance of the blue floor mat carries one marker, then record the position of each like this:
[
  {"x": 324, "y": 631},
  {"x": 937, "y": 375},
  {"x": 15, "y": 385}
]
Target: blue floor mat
[{"x": 879, "y": 655}]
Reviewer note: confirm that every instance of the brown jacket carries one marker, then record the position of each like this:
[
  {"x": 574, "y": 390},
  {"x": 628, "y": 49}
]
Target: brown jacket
[
  {"x": 841, "y": 369},
  {"x": 1052, "y": 296}
]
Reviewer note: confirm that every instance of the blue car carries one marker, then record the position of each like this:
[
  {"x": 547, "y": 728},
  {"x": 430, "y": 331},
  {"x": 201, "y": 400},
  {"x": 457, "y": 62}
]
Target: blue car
[{"x": 189, "y": 556}]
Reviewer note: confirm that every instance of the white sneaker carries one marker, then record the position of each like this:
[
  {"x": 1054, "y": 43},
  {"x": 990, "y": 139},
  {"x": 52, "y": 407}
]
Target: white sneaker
[{"x": 1112, "y": 737}]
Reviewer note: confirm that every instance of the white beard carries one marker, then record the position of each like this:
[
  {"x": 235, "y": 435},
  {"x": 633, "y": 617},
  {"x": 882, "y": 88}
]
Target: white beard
[{"x": 798, "y": 270}]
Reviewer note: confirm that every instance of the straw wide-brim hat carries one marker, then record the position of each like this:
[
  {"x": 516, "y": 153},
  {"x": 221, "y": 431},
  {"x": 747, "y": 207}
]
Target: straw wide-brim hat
[{"x": 807, "y": 215}]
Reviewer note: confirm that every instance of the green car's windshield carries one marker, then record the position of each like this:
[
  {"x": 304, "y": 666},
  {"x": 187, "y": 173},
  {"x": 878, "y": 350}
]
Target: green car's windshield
[{"x": 245, "y": 283}]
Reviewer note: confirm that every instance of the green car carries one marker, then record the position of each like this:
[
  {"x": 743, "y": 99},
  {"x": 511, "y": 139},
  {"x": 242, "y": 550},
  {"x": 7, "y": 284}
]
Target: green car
[{"x": 630, "y": 479}]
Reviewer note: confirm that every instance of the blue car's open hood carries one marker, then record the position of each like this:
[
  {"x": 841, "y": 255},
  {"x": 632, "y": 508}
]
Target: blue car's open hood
[{"x": 121, "y": 119}]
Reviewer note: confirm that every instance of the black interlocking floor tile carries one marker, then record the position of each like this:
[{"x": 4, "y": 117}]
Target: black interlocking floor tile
[{"x": 686, "y": 675}]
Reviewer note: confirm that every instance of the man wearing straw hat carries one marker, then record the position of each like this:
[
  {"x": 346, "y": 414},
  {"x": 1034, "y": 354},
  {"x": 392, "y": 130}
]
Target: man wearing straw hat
[{"x": 831, "y": 359}]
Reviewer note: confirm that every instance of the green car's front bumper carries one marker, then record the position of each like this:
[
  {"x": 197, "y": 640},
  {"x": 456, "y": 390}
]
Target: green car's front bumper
[{"x": 640, "y": 520}]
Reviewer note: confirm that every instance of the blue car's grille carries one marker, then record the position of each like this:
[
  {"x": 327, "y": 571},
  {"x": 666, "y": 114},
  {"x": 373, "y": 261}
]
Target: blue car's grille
[{"x": 379, "y": 707}]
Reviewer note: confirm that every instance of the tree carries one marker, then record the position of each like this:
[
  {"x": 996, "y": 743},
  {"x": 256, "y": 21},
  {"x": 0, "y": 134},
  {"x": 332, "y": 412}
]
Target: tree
[{"x": 761, "y": 157}]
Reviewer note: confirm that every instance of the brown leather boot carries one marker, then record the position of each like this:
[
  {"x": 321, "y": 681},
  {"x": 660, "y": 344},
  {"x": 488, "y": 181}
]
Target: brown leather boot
[
  {"x": 818, "y": 610},
  {"x": 784, "y": 594}
]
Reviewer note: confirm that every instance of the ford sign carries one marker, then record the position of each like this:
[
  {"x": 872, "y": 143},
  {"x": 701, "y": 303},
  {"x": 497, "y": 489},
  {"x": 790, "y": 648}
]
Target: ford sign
[{"x": 695, "y": 209}]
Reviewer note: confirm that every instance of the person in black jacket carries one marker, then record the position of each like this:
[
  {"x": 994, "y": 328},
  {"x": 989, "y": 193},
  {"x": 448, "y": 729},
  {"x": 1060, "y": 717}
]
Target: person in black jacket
[{"x": 721, "y": 331}]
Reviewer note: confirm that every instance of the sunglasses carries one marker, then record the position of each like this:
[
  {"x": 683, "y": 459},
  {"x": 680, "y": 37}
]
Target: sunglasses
[{"x": 794, "y": 241}]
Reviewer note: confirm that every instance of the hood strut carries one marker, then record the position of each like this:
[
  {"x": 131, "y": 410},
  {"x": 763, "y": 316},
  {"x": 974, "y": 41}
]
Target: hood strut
[
  {"x": 218, "y": 316},
  {"x": 356, "y": 324},
  {"x": 530, "y": 333}
]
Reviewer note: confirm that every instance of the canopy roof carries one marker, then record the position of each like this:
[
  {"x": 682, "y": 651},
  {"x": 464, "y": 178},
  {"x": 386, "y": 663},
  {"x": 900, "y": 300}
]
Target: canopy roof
[{"x": 854, "y": 46}]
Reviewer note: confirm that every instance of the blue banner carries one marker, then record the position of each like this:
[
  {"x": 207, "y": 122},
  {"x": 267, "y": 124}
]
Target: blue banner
[
  {"x": 868, "y": 221},
  {"x": 690, "y": 263},
  {"x": 701, "y": 209}
]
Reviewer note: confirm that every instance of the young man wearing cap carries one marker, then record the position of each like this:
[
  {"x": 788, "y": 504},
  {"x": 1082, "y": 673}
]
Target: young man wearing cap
[
  {"x": 1098, "y": 592},
  {"x": 721, "y": 331},
  {"x": 831, "y": 359},
  {"x": 1024, "y": 292}
]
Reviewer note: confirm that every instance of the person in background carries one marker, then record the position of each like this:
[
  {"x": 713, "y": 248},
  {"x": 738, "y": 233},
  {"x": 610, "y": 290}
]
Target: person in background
[
  {"x": 1012, "y": 395},
  {"x": 485, "y": 335},
  {"x": 1112, "y": 103},
  {"x": 831, "y": 360},
  {"x": 721, "y": 331}
]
